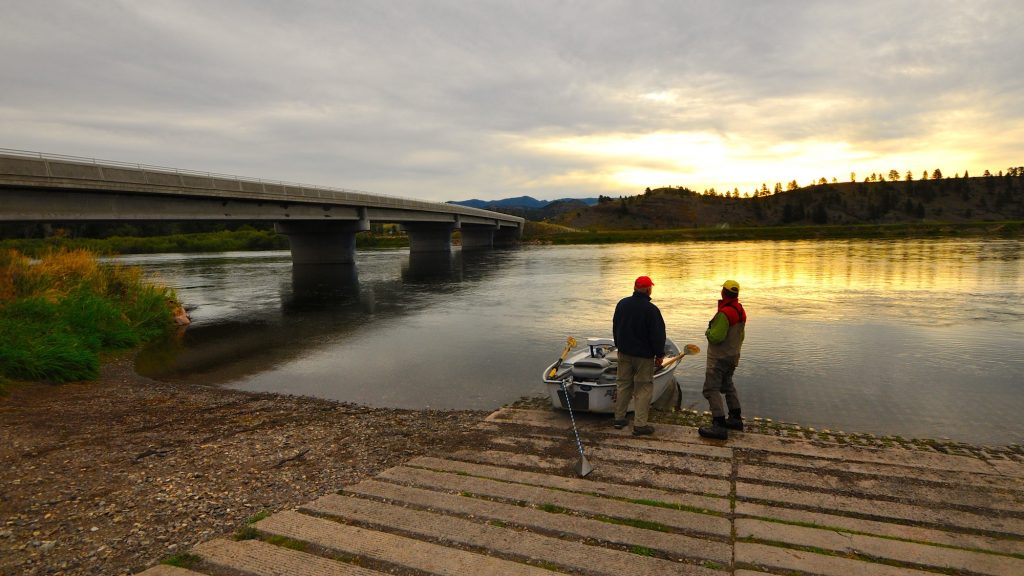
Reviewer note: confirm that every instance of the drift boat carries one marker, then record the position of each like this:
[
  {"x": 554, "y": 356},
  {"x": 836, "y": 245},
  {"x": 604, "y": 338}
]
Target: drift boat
[{"x": 589, "y": 375}]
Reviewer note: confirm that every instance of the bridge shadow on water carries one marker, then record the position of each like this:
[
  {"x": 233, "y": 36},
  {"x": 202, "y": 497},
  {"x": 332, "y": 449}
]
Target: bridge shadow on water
[{"x": 319, "y": 306}]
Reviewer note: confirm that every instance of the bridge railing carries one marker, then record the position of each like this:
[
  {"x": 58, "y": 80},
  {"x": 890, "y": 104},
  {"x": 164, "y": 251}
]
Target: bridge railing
[
  {"x": 44, "y": 156},
  {"x": 155, "y": 168}
]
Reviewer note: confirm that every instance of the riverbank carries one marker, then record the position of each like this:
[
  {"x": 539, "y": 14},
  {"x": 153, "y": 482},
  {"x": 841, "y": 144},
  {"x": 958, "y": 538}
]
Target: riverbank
[
  {"x": 108, "y": 477},
  {"x": 204, "y": 242},
  {"x": 534, "y": 233},
  {"x": 542, "y": 234}
]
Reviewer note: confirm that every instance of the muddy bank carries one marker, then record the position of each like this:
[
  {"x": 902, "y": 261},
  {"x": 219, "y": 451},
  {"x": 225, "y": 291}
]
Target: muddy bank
[{"x": 110, "y": 477}]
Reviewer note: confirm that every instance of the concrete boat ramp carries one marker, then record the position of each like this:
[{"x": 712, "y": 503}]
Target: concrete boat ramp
[{"x": 668, "y": 504}]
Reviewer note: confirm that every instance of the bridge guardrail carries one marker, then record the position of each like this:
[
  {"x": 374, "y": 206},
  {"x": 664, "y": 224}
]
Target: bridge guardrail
[{"x": 165, "y": 169}]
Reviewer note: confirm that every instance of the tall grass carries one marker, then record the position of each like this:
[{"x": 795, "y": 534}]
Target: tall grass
[
  {"x": 223, "y": 241},
  {"x": 57, "y": 315}
]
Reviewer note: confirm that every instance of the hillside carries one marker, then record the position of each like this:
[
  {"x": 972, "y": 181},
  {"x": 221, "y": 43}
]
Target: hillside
[
  {"x": 529, "y": 207},
  {"x": 989, "y": 198}
]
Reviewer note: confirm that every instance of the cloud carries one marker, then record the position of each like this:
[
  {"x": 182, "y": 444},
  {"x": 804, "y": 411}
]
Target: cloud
[{"x": 444, "y": 100}]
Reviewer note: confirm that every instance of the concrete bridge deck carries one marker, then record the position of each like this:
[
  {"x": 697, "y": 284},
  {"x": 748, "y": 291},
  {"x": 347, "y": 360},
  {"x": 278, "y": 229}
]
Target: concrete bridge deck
[
  {"x": 321, "y": 222},
  {"x": 671, "y": 504}
]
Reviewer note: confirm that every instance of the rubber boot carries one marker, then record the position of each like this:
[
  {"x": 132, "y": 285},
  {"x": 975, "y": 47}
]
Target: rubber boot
[
  {"x": 734, "y": 421},
  {"x": 717, "y": 430}
]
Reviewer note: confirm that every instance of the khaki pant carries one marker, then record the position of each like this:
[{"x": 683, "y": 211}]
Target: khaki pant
[
  {"x": 718, "y": 383},
  {"x": 634, "y": 380}
]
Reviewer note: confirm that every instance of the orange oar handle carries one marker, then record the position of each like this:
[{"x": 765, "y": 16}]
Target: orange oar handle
[{"x": 570, "y": 343}]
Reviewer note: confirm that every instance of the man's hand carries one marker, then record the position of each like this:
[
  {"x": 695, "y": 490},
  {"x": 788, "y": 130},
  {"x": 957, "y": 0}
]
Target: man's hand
[{"x": 658, "y": 360}]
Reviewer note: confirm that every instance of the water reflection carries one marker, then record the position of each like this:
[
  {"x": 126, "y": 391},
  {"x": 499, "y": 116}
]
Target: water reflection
[
  {"x": 432, "y": 268},
  {"x": 320, "y": 304},
  {"x": 315, "y": 287},
  {"x": 914, "y": 337}
]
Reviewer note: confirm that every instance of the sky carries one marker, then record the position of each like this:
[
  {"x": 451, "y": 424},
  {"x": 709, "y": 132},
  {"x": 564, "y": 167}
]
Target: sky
[{"x": 451, "y": 100}]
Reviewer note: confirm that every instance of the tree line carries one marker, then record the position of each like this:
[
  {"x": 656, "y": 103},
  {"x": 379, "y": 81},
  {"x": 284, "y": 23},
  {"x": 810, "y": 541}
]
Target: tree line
[{"x": 891, "y": 176}]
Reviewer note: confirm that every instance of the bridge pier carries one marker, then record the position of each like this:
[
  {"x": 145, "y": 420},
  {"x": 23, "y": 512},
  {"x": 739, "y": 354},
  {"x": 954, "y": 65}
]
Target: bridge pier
[
  {"x": 477, "y": 236},
  {"x": 429, "y": 236},
  {"x": 319, "y": 242},
  {"x": 507, "y": 236}
]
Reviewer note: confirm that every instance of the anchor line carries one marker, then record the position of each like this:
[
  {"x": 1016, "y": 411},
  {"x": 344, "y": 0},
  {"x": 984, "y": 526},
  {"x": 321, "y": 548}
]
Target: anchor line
[{"x": 568, "y": 404}]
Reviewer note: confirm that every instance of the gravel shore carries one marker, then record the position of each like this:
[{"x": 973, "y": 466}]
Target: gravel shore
[{"x": 110, "y": 477}]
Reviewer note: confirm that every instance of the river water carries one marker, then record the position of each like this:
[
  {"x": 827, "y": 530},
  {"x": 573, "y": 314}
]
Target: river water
[{"x": 922, "y": 338}]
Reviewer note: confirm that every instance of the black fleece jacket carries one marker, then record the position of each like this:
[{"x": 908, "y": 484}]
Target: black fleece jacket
[{"x": 638, "y": 327}]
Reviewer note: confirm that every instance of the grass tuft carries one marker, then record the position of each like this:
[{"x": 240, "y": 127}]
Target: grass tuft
[
  {"x": 59, "y": 314},
  {"x": 286, "y": 542},
  {"x": 182, "y": 560},
  {"x": 246, "y": 533},
  {"x": 645, "y": 524},
  {"x": 257, "y": 517},
  {"x": 553, "y": 508}
]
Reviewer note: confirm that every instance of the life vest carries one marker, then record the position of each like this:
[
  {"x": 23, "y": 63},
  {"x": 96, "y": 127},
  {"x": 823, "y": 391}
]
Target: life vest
[
  {"x": 730, "y": 347},
  {"x": 733, "y": 310}
]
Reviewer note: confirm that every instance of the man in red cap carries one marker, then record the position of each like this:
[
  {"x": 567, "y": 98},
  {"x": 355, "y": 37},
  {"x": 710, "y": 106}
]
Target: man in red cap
[{"x": 639, "y": 332}]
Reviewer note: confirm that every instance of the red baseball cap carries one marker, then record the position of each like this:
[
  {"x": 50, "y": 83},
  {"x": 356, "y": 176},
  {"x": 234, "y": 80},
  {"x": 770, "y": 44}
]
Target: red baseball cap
[{"x": 643, "y": 282}]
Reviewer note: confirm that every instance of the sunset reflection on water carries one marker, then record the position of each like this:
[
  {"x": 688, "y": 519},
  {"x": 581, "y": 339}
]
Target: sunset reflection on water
[{"x": 914, "y": 337}]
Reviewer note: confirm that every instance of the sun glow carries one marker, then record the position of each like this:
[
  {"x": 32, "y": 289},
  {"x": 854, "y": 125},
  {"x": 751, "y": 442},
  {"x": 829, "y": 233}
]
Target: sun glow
[{"x": 698, "y": 161}]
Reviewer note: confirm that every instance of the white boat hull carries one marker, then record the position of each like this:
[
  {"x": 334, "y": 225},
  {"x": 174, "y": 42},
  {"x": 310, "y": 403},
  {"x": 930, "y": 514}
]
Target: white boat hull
[{"x": 589, "y": 376}]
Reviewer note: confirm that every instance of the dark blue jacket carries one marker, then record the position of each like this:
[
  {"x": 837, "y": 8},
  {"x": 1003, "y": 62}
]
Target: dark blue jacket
[{"x": 638, "y": 327}]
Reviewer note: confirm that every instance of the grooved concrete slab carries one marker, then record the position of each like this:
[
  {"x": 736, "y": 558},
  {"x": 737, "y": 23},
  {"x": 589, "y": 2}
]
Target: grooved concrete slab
[
  {"x": 566, "y": 553},
  {"x": 706, "y": 450},
  {"x": 674, "y": 504},
  {"x": 747, "y": 441},
  {"x": 678, "y": 464},
  {"x": 886, "y": 487},
  {"x": 670, "y": 544},
  {"x": 910, "y": 552},
  {"x": 620, "y": 452},
  {"x": 573, "y": 484},
  {"x": 615, "y": 438},
  {"x": 256, "y": 558},
  {"x": 604, "y": 470},
  {"x": 809, "y": 562},
  {"x": 990, "y": 522},
  {"x": 900, "y": 531},
  {"x": 594, "y": 505},
  {"x": 900, "y": 471},
  {"x": 385, "y": 547}
]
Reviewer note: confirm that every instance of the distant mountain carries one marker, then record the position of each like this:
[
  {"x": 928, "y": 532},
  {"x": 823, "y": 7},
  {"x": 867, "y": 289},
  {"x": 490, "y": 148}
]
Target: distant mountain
[{"x": 519, "y": 202}]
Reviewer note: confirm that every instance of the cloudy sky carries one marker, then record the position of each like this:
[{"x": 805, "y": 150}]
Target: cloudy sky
[{"x": 450, "y": 100}]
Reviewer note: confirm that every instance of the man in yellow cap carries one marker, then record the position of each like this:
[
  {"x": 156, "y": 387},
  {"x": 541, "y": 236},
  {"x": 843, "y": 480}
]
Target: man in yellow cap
[{"x": 725, "y": 338}]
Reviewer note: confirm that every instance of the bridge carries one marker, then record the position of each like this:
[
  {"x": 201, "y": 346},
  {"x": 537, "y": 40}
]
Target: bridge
[{"x": 321, "y": 223}]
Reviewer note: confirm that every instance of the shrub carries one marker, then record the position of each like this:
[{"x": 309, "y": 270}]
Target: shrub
[{"x": 58, "y": 314}]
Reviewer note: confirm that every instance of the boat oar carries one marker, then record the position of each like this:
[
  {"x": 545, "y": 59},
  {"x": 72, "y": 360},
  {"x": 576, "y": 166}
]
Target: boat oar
[
  {"x": 582, "y": 467},
  {"x": 570, "y": 343},
  {"x": 688, "y": 350}
]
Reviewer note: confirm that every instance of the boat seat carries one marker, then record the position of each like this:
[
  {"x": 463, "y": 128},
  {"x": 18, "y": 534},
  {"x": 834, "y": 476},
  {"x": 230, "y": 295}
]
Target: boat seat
[
  {"x": 612, "y": 356},
  {"x": 590, "y": 368}
]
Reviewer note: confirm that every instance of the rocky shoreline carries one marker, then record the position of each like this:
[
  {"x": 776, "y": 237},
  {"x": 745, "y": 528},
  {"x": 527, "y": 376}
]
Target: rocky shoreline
[{"x": 112, "y": 476}]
